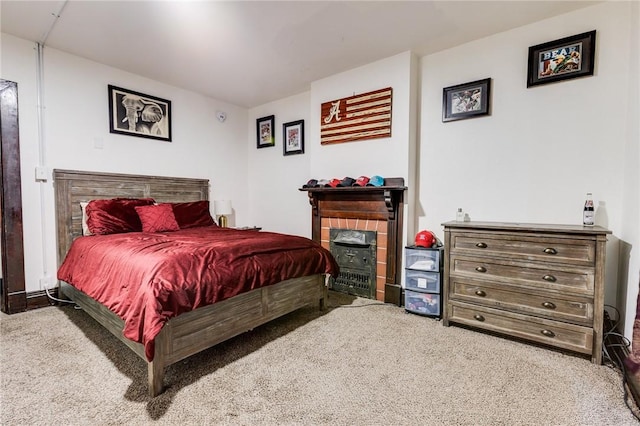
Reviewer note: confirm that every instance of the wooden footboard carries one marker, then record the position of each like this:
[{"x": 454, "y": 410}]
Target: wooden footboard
[{"x": 202, "y": 328}]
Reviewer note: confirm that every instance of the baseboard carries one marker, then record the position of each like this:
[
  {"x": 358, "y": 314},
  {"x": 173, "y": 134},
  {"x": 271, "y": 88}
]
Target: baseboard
[
  {"x": 39, "y": 299},
  {"x": 392, "y": 293}
]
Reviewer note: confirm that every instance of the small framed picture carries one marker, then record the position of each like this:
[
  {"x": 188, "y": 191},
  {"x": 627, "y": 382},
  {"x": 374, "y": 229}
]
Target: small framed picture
[
  {"x": 136, "y": 114},
  {"x": 265, "y": 131},
  {"x": 466, "y": 100},
  {"x": 293, "y": 137},
  {"x": 562, "y": 59}
]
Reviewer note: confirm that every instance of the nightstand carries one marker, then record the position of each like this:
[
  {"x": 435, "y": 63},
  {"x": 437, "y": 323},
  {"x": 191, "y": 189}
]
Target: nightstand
[{"x": 248, "y": 228}]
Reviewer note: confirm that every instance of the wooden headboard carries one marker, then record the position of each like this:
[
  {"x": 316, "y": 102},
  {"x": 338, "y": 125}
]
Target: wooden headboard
[{"x": 73, "y": 187}]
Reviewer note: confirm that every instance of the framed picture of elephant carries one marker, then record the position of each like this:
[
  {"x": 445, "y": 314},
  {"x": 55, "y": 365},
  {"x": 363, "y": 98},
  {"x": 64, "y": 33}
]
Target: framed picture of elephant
[{"x": 136, "y": 114}]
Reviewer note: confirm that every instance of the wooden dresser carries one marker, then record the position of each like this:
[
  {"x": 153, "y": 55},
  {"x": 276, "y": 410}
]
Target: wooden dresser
[{"x": 538, "y": 282}]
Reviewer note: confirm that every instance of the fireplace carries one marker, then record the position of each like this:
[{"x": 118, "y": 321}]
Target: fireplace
[
  {"x": 355, "y": 252},
  {"x": 374, "y": 209}
]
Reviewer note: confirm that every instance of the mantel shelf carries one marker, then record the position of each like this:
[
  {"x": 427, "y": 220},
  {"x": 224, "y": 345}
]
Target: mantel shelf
[
  {"x": 390, "y": 184},
  {"x": 355, "y": 188}
]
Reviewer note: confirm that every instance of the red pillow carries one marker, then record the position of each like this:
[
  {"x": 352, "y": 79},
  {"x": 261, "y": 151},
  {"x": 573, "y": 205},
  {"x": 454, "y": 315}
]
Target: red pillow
[
  {"x": 192, "y": 214},
  {"x": 115, "y": 215},
  {"x": 158, "y": 218}
]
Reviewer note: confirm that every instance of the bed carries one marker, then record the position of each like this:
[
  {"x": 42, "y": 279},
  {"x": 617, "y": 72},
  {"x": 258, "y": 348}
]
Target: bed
[{"x": 188, "y": 331}]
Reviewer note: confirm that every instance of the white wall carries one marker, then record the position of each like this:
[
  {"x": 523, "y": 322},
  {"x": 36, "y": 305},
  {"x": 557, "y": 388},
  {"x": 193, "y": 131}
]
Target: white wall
[
  {"x": 274, "y": 180},
  {"x": 630, "y": 232},
  {"x": 387, "y": 157},
  {"x": 276, "y": 204},
  {"x": 542, "y": 149},
  {"x": 76, "y": 115}
]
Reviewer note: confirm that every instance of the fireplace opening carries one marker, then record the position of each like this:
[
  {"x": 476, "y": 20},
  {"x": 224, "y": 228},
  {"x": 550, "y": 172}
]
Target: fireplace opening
[{"x": 355, "y": 252}]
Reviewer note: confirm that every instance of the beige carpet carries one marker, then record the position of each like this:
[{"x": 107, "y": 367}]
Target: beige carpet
[{"x": 359, "y": 363}]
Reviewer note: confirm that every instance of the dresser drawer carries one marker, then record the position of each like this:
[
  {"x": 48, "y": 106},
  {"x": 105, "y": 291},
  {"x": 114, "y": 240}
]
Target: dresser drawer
[
  {"x": 422, "y": 281},
  {"x": 550, "y": 305},
  {"x": 423, "y": 259},
  {"x": 555, "y": 333},
  {"x": 422, "y": 303},
  {"x": 523, "y": 247},
  {"x": 538, "y": 275}
]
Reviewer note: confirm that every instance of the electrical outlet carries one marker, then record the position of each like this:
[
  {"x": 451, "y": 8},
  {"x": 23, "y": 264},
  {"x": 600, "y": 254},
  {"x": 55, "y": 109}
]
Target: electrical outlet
[
  {"x": 46, "y": 282},
  {"x": 42, "y": 173}
]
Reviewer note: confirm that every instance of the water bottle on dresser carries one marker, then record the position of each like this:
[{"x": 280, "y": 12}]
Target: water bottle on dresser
[{"x": 588, "y": 213}]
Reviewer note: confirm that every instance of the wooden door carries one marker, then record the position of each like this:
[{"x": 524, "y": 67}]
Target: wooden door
[{"x": 13, "y": 297}]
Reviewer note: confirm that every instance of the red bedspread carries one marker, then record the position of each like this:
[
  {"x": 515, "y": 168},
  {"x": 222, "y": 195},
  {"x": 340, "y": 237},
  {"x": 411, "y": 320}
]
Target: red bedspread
[{"x": 147, "y": 278}]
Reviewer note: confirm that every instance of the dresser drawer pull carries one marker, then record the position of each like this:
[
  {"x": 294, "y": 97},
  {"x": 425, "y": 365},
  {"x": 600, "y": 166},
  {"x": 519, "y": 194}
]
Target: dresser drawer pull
[
  {"x": 550, "y": 251},
  {"x": 481, "y": 269},
  {"x": 548, "y": 333},
  {"x": 478, "y": 317},
  {"x": 481, "y": 245},
  {"x": 549, "y": 305},
  {"x": 480, "y": 293},
  {"x": 549, "y": 278}
]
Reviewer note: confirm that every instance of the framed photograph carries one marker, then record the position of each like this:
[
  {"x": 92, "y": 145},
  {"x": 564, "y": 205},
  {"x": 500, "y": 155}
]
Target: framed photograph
[
  {"x": 265, "y": 131},
  {"x": 562, "y": 59},
  {"x": 293, "y": 137},
  {"x": 466, "y": 100},
  {"x": 136, "y": 114}
]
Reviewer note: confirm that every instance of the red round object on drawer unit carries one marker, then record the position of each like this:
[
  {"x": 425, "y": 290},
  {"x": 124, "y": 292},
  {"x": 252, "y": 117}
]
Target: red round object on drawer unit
[{"x": 425, "y": 239}]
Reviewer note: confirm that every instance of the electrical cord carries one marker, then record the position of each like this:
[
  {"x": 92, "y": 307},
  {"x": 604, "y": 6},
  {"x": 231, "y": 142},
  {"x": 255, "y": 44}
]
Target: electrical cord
[
  {"x": 615, "y": 324},
  {"x": 55, "y": 298}
]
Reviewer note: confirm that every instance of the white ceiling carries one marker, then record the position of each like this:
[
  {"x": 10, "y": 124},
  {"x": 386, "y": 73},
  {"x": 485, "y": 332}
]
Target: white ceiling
[{"x": 252, "y": 52}]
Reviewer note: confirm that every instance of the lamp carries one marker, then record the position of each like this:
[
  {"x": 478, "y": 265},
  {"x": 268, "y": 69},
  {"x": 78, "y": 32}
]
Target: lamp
[{"x": 223, "y": 209}]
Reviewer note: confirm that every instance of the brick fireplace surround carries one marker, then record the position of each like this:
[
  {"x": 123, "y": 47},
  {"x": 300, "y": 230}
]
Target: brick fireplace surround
[{"x": 368, "y": 208}]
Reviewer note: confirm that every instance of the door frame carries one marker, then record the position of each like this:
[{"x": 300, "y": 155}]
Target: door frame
[{"x": 13, "y": 297}]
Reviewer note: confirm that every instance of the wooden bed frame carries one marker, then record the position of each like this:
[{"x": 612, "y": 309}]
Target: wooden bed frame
[{"x": 190, "y": 332}]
